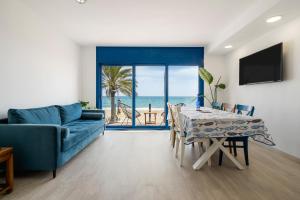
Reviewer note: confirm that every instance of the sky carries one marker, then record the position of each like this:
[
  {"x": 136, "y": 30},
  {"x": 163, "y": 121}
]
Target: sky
[{"x": 183, "y": 80}]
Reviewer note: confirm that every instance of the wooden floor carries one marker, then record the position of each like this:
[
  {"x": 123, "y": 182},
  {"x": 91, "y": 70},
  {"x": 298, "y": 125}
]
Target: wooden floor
[{"x": 141, "y": 165}]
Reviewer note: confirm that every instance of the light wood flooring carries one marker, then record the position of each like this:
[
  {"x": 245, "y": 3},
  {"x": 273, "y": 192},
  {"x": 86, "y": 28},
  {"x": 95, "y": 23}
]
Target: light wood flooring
[{"x": 141, "y": 165}]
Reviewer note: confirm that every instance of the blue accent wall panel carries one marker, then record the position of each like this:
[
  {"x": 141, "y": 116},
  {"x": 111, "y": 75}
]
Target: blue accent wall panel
[
  {"x": 133, "y": 56},
  {"x": 150, "y": 55}
]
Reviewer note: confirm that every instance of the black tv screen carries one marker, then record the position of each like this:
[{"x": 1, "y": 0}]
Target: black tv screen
[{"x": 263, "y": 66}]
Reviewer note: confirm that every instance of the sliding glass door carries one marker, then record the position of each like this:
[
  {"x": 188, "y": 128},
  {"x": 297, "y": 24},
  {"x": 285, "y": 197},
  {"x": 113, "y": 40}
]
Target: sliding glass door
[
  {"x": 117, "y": 95},
  {"x": 150, "y": 95},
  {"x": 183, "y": 85},
  {"x": 136, "y": 96}
]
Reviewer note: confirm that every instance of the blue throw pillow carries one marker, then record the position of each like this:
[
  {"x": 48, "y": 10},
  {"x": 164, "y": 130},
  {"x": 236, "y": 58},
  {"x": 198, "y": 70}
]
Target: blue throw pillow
[
  {"x": 69, "y": 113},
  {"x": 44, "y": 115}
]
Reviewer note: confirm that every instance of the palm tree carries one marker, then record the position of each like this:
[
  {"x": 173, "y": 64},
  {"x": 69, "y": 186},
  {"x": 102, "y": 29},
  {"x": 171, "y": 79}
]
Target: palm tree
[{"x": 116, "y": 79}]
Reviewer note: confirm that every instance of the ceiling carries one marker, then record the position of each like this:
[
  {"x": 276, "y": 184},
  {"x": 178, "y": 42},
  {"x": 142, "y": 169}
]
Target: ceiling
[{"x": 210, "y": 23}]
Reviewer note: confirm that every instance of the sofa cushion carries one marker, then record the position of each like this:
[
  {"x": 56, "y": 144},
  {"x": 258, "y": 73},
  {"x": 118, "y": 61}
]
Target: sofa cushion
[
  {"x": 69, "y": 113},
  {"x": 79, "y": 130},
  {"x": 44, "y": 115}
]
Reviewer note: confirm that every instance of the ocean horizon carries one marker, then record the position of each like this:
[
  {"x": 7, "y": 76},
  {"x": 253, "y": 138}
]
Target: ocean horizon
[{"x": 155, "y": 101}]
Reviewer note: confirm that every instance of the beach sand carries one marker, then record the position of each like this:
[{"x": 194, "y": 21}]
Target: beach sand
[{"x": 140, "y": 121}]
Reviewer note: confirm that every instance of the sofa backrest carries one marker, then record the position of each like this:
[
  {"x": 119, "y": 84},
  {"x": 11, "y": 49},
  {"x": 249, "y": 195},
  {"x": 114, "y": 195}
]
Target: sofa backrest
[
  {"x": 69, "y": 113},
  {"x": 44, "y": 115}
]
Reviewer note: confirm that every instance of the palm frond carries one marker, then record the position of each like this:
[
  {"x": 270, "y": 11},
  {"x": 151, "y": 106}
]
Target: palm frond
[{"x": 117, "y": 79}]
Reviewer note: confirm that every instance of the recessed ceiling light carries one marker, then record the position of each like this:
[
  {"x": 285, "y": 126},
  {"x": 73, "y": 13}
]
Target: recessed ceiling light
[
  {"x": 81, "y": 1},
  {"x": 228, "y": 47},
  {"x": 274, "y": 19}
]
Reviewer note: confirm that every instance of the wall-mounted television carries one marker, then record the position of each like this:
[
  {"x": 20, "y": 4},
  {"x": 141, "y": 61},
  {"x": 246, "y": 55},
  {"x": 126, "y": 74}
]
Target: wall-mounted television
[{"x": 263, "y": 66}]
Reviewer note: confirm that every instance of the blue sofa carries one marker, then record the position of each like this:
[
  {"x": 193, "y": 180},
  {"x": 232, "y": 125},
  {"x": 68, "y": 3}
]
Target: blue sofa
[{"x": 46, "y": 138}]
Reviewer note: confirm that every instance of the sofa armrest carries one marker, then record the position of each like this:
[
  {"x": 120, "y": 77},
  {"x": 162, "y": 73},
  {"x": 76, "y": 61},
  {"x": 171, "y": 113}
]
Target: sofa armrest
[
  {"x": 36, "y": 147},
  {"x": 93, "y": 114},
  {"x": 93, "y": 110}
]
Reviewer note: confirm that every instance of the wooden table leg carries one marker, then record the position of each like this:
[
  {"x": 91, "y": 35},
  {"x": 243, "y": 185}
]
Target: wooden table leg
[
  {"x": 10, "y": 174},
  {"x": 206, "y": 156},
  {"x": 217, "y": 144},
  {"x": 207, "y": 144}
]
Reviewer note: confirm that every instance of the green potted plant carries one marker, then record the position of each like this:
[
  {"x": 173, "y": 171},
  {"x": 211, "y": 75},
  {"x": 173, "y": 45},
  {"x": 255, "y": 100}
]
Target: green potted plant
[
  {"x": 84, "y": 104},
  {"x": 208, "y": 78}
]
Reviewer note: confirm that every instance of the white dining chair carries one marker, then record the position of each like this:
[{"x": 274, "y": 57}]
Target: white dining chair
[
  {"x": 180, "y": 135},
  {"x": 173, "y": 128},
  {"x": 172, "y": 124}
]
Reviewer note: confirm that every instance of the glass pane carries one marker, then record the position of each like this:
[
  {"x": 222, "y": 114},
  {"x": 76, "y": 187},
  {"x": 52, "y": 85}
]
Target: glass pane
[
  {"x": 117, "y": 95},
  {"x": 150, "y": 99},
  {"x": 183, "y": 85}
]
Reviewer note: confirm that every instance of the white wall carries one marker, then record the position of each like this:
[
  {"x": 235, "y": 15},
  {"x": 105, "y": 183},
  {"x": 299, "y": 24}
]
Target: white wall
[
  {"x": 38, "y": 66},
  {"x": 88, "y": 74},
  {"x": 215, "y": 64},
  {"x": 277, "y": 103}
]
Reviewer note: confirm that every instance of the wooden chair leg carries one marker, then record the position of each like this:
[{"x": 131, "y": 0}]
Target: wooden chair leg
[
  {"x": 176, "y": 146},
  {"x": 230, "y": 146},
  {"x": 10, "y": 174},
  {"x": 220, "y": 157},
  {"x": 182, "y": 148},
  {"x": 234, "y": 148},
  {"x": 173, "y": 139},
  {"x": 245, "y": 143},
  {"x": 200, "y": 147}
]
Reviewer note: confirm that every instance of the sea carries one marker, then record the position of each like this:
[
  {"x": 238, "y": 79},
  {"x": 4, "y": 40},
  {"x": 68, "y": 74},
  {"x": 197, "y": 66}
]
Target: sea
[{"x": 155, "y": 101}]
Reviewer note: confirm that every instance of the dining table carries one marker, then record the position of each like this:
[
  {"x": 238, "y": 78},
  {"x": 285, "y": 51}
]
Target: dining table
[{"x": 217, "y": 126}]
